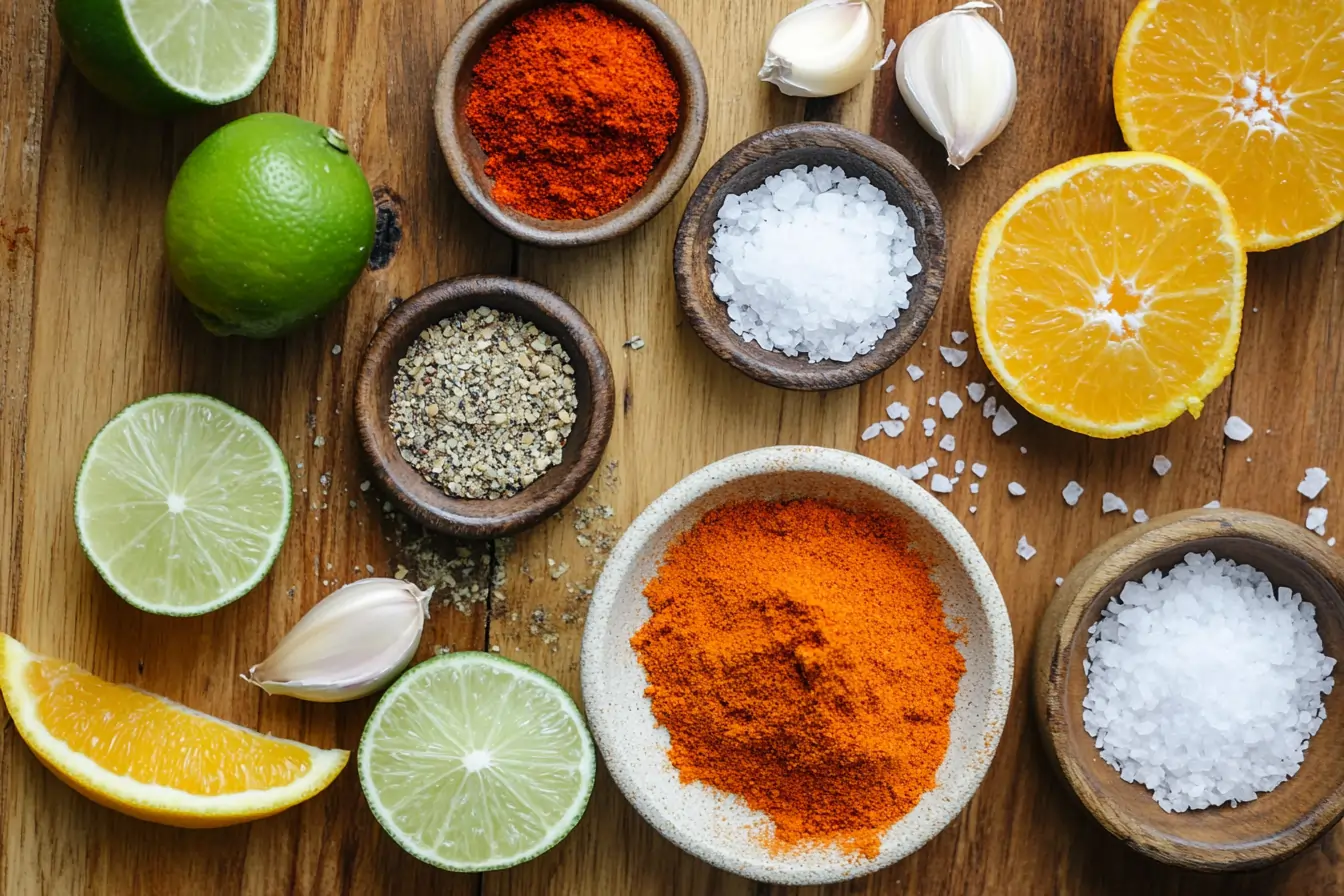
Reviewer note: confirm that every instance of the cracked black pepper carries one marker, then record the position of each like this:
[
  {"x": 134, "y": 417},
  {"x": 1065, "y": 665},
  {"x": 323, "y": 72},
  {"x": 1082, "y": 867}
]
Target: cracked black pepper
[{"x": 483, "y": 403}]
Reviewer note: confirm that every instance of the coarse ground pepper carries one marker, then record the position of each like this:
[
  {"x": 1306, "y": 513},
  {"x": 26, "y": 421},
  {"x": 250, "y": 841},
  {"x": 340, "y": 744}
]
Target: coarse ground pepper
[
  {"x": 799, "y": 658},
  {"x": 573, "y": 107}
]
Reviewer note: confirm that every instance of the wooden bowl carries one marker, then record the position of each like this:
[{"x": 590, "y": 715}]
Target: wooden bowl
[
  {"x": 703, "y": 820},
  {"x": 466, "y": 159},
  {"x": 485, "y": 518},
  {"x": 1268, "y": 829},
  {"x": 745, "y": 167}
]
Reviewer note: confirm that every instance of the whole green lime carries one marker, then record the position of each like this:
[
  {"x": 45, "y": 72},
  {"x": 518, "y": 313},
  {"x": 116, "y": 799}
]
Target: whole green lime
[
  {"x": 168, "y": 55},
  {"x": 269, "y": 224}
]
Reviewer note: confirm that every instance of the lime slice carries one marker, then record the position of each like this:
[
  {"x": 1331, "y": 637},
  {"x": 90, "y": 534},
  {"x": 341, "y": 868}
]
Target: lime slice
[
  {"x": 472, "y": 762},
  {"x": 165, "y": 55},
  {"x": 182, "y": 504}
]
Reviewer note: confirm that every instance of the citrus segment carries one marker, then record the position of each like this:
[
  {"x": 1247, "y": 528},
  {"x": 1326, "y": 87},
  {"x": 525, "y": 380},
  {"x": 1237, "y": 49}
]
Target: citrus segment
[
  {"x": 148, "y": 756},
  {"x": 472, "y": 762},
  {"x": 1107, "y": 293},
  {"x": 182, "y": 503},
  {"x": 1251, "y": 93}
]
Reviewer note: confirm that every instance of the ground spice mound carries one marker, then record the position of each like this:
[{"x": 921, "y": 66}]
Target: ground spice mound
[
  {"x": 799, "y": 658},
  {"x": 573, "y": 107}
]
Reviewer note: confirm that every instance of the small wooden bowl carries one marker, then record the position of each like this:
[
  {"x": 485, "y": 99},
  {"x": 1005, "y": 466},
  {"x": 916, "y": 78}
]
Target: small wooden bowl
[
  {"x": 466, "y": 159},
  {"x": 745, "y": 167},
  {"x": 485, "y": 518},
  {"x": 1271, "y": 827}
]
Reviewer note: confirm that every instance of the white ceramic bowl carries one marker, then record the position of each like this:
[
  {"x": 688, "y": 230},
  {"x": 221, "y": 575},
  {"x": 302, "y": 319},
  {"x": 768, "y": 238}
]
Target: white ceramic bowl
[{"x": 719, "y": 827}]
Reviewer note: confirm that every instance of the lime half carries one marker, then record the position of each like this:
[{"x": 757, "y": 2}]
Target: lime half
[
  {"x": 166, "y": 55},
  {"x": 472, "y": 762},
  {"x": 182, "y": 504}
]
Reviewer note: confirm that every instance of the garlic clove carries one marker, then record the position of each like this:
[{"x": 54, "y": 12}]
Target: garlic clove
[
  {"x": 957, "y": 75},
  {"x": 352, "y": 643},
  {"x": 822, "y": 49}
]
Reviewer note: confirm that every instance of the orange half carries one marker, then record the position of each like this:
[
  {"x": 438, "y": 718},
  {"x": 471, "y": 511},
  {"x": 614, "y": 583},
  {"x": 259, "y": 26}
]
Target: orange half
[{"x": 1107, "y": 293}]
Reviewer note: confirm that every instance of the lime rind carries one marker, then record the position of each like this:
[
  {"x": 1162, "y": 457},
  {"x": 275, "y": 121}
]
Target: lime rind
[
  {"x": 167, "y": 45},
  {"x": 238, "y": 524},
  {"x": 542, "y": 790}
]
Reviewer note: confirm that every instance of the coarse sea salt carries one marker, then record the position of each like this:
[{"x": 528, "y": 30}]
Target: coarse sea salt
[
  {"x": 871, "y": 432},
  {"x": 898, "y": 411},
  {"x": 929, "y": 425},
  {"x": 1003, "y": 420},
  {"x": 959, "y": 466},
  {"x": 950, "y": 404},
  {"x": 975, "y": 488},
  {"x": 979, "y": 469},
  {"x": 916, "y": 374},
  {"x": 940, "y": 484},
  {"x": 1313, "y": 482},
  {"x": 813, "y": 262},
  {"x": 1205, "y": 684},
  {"x": 1072, "y": 492},
  {"x": 990, "y": 407},
  {"x": 1237, "y": 429},
  {"x": 948, "y": 443},
  {"x": 960, "y": 336},
  {"x": 1316, "y": 517},
  {"x": 892, "y": 428},
  {"x": 976, "y": 391},
  {"x": 1024, "y": 550},
  {"x": 1161, "y": 466},
  {"x": 1140, "y": 516},
  {"x": 954, "y": 356},
  {"x": 1016, "y": 489},
  {"x": 1112, "y": 502}
]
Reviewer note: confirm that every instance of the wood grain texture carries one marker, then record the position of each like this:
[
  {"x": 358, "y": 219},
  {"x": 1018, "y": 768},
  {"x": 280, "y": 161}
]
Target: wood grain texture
[
  {"x": 1253, "y": 835},
  {"x": 90, "y": 323}
]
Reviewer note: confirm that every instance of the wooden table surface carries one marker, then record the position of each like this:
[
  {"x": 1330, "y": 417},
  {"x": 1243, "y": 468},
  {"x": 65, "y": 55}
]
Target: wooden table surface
[{"x": 89, "y": 322}]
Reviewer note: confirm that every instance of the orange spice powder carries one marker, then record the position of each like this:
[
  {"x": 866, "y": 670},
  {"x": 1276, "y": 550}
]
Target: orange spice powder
[{"x": 799, "y": 658}]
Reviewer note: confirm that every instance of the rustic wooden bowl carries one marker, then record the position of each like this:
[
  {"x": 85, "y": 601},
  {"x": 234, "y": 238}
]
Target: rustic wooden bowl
[
  {"x": 466, "y": 160},
  {"x": 745, "y": 167},
  {"x": 485, "y": 518},
  {"x": 1252, "y": 835}
]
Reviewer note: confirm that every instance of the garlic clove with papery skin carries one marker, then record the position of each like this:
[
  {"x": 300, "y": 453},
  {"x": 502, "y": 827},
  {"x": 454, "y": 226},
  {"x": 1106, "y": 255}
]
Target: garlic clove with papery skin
[
  {"x": 957, "y": 75},
  {"x": 822, "y": 49},
  {"x": 354, "y": 642}
]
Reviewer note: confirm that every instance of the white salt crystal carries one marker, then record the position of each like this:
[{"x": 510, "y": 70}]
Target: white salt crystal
[
  {"x": 929, "y": 424},
  {"x": 931, "y": 462},
  {"x": 932, "y": 402},
  {"x": 1072, "y": 492},
  {"x": 1316, "y": 519},
  {"x": 1212, "y": 505},
  {"x": 903, "y": 470},
  {"x": 1312, "y": 483},
  {"x": 891, "y": 389},
  {"x": 871, "y": 432},
  {"x": 1205, "y": 683},
  {"x": 979, "y": 469},
  {"x": 975, "y": 488},
  {"x": 1016, "y": 489},
  {"x": 976, "y": 391},
  {"x": 915, "y": 373},
  {"x": 960, "y": 336},
  {"x": 813, "y": 263},
  {"x": 1237, "y": 429},
  {"x": 1024, "y": 550},
  {"x": 1161, "y": 466},
  {"x": 919, "y": 471},
  {"x": 1111, "y": 502},
  {"x": 948, "y": 443},
  {"x": 940, "y": 484},
  {"x": 950, "y": 403},
  {"x": 972, "y": 508},
  {"x": 898, "y": 411},
  {"x": 1140, "y": 516},
  {"x": 959, "y": 466},
  {"x": 892, "y": 428},
  {"x": 1003, "y": 420},
  {"x": 1059, "y": 580},
  {"x": 956, "y": 479},
  {"x": 990, "y": 407},
  {"x": 1023, "y": 449},
  {"x": 1330, "y": 541},
  {"x": 954, "y": 356}
]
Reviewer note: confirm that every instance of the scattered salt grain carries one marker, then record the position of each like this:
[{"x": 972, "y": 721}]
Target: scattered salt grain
[
  {"x": 1140, "y": 516},
  {"x": 916, "y": 374},
  {"x": 1330, "y": 541},
  {"x": 1213, "y": 505},
  {"x": 898, "y": 411},
  {"x": 979, "y": 469},
  {"x": 1059, "y": 580},
  {"x": 990, "y": 407},
  {"x": 919, "y": 471},
  {"x": 959, "y": 466},
  {"x": 972, "y": 508},
  {"x": 814, "y": 263},
  {"x": 1016, "y": 489},
  {"x": 1316, "y": 519},
  {"x": 960, "y": 336},
  {"x": 871, "y": 432},
  {"x": 1023, "y": 449},
  {"x": 1237, "y": 429},
  {"x": 1111, "y": 502},
  {"x": 929, "y": 424},
  {"x": 1161, "y": 466},
  {"x": 1312, "y": 483},
  {"x": 976, "y": 391},
  {"x": 1072, "y": 492},
  {"x": 892, "y": 428},
  {"x": 1003, "y": 420},
  {"x": 931, "y": 462},
  {"x": 1024, "y": 550},
  {"x": 1205, "y": 684},
  {"x": 954, "y": 356},
  {"x": 940, "y": 484},
  {"x": 335, "y": 349},
  {"x": 950, "y": 403},
  {"x": 975, "y": 488},
  {"x": 891, "y": 389},
  {"x": 948, "y": 443}
]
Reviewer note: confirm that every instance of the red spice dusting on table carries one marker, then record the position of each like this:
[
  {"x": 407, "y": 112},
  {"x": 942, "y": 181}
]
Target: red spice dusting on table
[
  {"x": 798, "y": 656},
  {"x": 573, "y": 107}
]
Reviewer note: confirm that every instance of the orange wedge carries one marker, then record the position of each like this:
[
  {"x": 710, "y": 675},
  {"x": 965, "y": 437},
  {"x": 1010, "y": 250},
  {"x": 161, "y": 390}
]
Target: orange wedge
[
  {"x": 1250, "y": 92},
  {"x": 150, "y": 757},
  {"x": 1107, "y": 293}
]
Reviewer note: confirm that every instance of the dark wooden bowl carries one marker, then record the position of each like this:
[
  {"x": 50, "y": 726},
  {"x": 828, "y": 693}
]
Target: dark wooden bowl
[
  {"x": 1271, "y": 827},
  {"x": 485, "y": 518},
  {"x": 466, "y": 160},
  {"x": 745, "y": 167}
]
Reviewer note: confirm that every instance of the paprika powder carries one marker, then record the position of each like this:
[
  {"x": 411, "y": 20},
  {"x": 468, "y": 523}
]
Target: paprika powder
[
  {"x": 798, "y": 656},
  {"x": 573, "y": 107}
]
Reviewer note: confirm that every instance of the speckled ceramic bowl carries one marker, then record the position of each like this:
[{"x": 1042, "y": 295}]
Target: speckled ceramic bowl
[{"x": 716, "y": 826}]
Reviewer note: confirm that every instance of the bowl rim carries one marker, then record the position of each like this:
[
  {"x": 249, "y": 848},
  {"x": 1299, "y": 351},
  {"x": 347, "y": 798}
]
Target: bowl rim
[
  {"x": 481, "y": 518},
  {"x": 1054, "y": 655},
  {"x": 682, "y": 60},
  {"x": 774, "y": 368},
  {"x": 953, "y": 794}
]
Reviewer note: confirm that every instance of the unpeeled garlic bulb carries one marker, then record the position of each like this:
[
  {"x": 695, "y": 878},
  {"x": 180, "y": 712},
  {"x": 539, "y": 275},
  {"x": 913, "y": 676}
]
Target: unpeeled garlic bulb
[
  {"x": 957, "y": 75},
  {"x": 355, "y": 641},
  {"x": 823, "y": 49}
]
